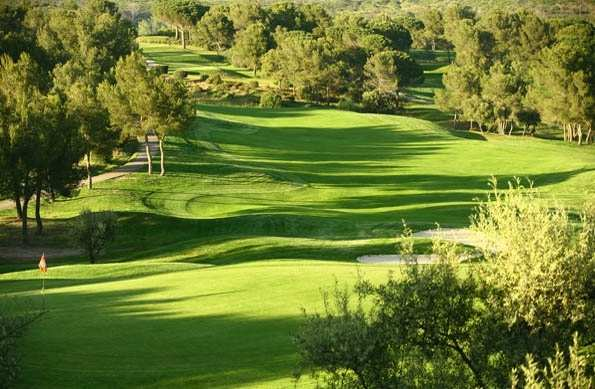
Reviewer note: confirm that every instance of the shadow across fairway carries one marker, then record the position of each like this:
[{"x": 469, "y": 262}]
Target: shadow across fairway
[{"x": 155, "y": 338}]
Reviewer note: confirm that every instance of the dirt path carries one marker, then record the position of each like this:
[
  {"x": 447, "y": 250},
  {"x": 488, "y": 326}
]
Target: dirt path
[
  {"x": 134, "y": 165},
  {"x": 457, "y": 235}
]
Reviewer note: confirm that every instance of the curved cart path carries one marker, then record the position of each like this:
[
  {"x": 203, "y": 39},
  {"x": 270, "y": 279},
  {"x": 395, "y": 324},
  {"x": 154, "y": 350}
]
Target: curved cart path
[
  {"x": 139, "y": 162},
  {"x": 457, "y": 235}
]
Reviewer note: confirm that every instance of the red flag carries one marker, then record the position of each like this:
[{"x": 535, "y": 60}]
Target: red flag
[{"x": 43, "y": 266}]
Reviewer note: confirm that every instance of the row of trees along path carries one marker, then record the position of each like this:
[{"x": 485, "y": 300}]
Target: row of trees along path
[{"x": 73, "y": 84}]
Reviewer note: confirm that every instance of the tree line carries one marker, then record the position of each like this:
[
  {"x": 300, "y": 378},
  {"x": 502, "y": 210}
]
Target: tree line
[
  {"x": 72, "y": 84},
  {"x": 310, "y": 54},
  {"x": 515, "y": 70},
  {"x": 511, "y": 70}
]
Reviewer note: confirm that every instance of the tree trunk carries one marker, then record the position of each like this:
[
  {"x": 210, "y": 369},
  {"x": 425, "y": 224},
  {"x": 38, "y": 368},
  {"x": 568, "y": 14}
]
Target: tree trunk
[
  {"x": 510, "y": 131},
  {"x": 24, "y": 230},
  {"x": 162, "y": 154},
  {"x": 254, "y": 70},
  {"x": 89, "y": 175},
  {"x": 38, "y": 209},
  {"x": 588, "y": 139},
  {"x": 176, "y": 30},
  {"x": 433, "y": 44},
  {"x": 149, "y": 158},
  {"x": 579, "y": 134},
  {"x": 17, "y": 202},
  {"x": 183, "y": 38}
]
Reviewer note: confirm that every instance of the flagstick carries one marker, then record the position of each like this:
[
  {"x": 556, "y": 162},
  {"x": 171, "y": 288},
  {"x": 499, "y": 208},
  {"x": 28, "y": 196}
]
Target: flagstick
[{"x": 42, "y": 283}]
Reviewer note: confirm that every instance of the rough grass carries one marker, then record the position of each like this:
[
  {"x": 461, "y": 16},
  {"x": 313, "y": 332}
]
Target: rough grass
[{"x": 260, "y": 209}]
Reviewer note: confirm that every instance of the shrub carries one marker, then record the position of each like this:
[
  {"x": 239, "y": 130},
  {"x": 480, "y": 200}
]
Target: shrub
[
  {"x": 93, "y": 231},
  {"x": 570, "y": 372},
  {"x": 12, "y": 327},
  {"x": 381, "y": 102},
  {"x": 160, "y": 69},
  {"x": 202, "y": 77},
  {"x": 347, "y": 104},
  {"x": 538, "y": 256},
  {"x": 253, "y": 84},
  {"x": 215, "y": 79},
  {"x": 270, "y": 100},
  {"x": 180, "y": 74}
]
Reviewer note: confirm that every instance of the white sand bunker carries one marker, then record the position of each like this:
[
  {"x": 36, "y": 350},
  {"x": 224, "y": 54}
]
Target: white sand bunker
[{"x": 457, "y": 235}]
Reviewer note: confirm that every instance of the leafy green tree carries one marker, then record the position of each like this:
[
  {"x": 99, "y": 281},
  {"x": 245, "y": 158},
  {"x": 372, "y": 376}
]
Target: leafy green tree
[
  {"x": 93, "y": 231},
  {"x": 215, "y": 30},
  {"x": 305, "y": 65},
  {"x": 286, "y": 15},
  {"x": 398, "y": 36},
  {"x": 421, "y": 333},
  {"x": 130, "y": 100},
  {"x": 563, "y": 82},
  {"x": 313, "y": 18},
  {"x": 16, "y": 36},
  {"x": 244, "y": 13},
  {"x": 94, "y": 34},
  {"x": 171, "y": 112},
  {"x": 545, "y": 266},
  {"x": 562, "y": 371},
  {"x": 183, "y": 15},
  {"x": 38, "y": 143},
  {"x": 22, "y": 116},
  {"x": 433, "y": 23},
  {"x": 143, "y": 101},
  {"x": 78, "y": 89},
  {"x": 251, "y": 44},
  {"x": 388, "y": 71},
  {"x": 503, "y": 90}
]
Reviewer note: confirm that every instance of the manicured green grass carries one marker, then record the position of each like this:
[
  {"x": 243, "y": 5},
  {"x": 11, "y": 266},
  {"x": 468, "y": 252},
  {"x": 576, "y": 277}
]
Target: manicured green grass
[
  {"x": 259, "y": 211},
  {"x": 194, "y": 61}
]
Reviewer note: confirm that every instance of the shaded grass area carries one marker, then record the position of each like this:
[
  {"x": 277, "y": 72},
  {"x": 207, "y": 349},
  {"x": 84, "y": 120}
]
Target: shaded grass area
[{"x": 195, "y": 326}]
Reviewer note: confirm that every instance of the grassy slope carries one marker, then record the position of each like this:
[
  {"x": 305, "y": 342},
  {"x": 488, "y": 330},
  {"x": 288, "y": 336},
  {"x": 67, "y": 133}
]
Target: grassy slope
[{"x": 260, "y": 209}]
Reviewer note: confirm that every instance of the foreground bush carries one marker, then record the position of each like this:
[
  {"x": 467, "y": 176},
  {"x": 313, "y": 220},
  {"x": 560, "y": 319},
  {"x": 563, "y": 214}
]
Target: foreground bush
[
  {"x": 270, "y": 100},
  {"x": 444, "y": 326},
  {"x": 12, "y": 327},
  {"x": 561, "y": 371},
  {"x": 93, "y": 231},
  {"x": 543, "y": 261},
  {"x": 180, "y": 74}
]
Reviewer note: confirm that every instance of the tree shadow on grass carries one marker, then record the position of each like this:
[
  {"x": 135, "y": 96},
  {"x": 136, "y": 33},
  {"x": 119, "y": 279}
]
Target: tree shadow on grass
[{"x": 149, "y": 337}]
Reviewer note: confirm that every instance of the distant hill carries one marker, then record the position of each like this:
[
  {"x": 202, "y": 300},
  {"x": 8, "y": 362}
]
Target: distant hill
[{"x": 545, "y": 8}]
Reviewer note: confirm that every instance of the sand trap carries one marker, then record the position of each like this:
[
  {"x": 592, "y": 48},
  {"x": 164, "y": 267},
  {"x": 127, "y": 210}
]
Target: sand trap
[
  {"x": 457, "y": 235},
  {"x": 396, "y": 259}
]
